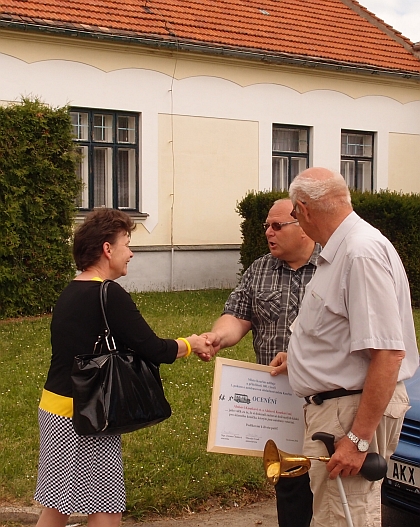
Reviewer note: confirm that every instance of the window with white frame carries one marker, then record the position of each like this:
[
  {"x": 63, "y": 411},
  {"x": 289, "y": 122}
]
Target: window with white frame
[
  {"x": 290, "y": 154},
  {"x": 108, "y": 142},
  {"x": 357, "y": 159}
]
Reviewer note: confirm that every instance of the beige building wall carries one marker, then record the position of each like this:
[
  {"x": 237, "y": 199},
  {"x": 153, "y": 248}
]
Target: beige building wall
[
  {"x": 206, "y": 166},
  {"x": 214, "y": 163},
  {"x": 404, "y": 162}
]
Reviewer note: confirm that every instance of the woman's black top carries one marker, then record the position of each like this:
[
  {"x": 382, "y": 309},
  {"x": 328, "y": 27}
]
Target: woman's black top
[{"x": 77, "y": 321}]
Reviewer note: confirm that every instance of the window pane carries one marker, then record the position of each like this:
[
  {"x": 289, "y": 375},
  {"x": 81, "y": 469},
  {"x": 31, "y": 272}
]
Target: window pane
[
  {"x": 280, "y": 166},
  {"x": 356, "y": 145},
  {"x": 82, "y": 174},
  {"x": 290, "y": 140},
  {"x": 364, "y": 171},
  {"x": 358, "y": 171},
  {"x": 126, "y": 174},
  {"x": 80, "y": 125},
  {"x": 297, "y": 165},
  {"x": 348, "y": 172},
  {"x": 108, "y": 167},
  {"x": 102, "y": 128},
  {"x": 126, "y": 129},
  {"x": 101, "y": 177}
]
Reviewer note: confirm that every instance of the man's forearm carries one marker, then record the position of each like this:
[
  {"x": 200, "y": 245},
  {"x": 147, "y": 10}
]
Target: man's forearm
[
  {"x": 379, "y": 386},
  {"x": 230, "y": 330}
]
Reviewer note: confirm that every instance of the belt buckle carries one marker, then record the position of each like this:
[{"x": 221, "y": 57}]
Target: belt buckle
[{"x": 315, "y": 399}]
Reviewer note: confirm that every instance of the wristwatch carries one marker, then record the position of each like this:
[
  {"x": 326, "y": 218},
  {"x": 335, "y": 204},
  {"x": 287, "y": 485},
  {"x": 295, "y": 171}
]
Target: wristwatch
[{"x": 362, "y": 444}]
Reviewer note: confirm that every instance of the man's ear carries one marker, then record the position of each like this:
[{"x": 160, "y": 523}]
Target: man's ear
[{"x": 302, "y": 208}]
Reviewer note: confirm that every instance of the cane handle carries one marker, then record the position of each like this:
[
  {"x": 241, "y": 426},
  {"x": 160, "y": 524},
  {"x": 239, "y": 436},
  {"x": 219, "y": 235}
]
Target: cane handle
[
  {"x": 374, "y": 467},
  {"x": 327, "y": 439}
]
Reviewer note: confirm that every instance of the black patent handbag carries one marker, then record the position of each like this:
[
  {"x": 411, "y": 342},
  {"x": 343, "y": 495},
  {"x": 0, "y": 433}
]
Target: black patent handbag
[{"x": 115, "y": 392}]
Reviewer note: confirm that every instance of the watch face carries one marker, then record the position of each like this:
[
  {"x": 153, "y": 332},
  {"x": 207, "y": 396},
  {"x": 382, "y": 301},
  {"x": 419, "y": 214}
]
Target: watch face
[{"x": 363, "y": 445}]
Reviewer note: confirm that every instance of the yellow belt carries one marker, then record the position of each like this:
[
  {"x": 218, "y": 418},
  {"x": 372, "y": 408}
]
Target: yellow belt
[{"x": 56, "y": 404}]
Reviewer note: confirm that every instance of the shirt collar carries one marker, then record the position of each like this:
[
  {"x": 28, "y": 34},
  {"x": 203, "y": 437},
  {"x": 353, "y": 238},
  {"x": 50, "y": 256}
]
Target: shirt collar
[
  {"x": 330, "y": 250},
  {"x": 277, "y": 263}
]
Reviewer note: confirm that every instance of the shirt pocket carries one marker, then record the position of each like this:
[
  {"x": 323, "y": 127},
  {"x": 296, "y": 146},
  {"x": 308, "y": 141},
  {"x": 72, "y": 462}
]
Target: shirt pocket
[
  {"x": 268, "y": 306},
  {"x": 399, "y": 403},
  {"x": 310, "y": 317}
]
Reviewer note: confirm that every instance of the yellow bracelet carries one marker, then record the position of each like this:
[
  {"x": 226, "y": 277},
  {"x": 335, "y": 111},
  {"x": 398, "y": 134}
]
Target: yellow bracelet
[{"x": 188, "y": 346}]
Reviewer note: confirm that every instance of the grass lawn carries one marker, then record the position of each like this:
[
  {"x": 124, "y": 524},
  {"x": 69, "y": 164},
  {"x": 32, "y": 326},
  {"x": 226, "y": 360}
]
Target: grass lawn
[{"x": 167, "y": 467}]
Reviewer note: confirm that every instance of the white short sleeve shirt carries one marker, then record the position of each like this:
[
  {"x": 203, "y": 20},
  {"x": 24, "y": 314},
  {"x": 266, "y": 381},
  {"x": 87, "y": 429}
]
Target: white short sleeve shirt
[{"x": 359, "y": 298}]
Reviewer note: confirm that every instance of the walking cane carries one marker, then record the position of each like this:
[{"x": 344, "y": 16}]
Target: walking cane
[
  {"x": 328, "y": 440},
  {"x": 373, "y": 469}
]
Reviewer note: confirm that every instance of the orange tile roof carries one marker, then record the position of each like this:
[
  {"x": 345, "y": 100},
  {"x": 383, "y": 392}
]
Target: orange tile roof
[{"x": 339, "y": 32}]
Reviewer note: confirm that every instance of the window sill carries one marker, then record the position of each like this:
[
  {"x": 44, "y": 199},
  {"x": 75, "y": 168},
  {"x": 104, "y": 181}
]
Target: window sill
[{"x": 81, "y": 215}]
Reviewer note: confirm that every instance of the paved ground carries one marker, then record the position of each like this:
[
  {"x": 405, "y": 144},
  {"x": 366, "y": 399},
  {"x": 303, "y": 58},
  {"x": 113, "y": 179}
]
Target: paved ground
[{"x": 262, "y": 513}]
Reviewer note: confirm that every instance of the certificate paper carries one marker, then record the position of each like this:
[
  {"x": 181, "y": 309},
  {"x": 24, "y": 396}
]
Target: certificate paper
[{"x": 249, "y": 407}]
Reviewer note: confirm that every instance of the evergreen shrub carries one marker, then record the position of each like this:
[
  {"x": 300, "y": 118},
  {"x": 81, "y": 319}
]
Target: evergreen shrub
[
  {"x": 253, "y": 208},
  {"x": 395, "y": 214},
  {"x": 38, "y": 188}
]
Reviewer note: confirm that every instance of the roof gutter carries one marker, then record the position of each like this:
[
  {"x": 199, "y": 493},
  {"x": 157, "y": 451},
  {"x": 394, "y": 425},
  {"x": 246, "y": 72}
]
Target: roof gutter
[{"x": 174, "y": 44}]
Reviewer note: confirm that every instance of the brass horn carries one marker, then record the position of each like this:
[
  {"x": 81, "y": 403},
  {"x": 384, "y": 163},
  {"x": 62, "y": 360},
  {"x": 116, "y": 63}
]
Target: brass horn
[{"x": 279, "y": 464}]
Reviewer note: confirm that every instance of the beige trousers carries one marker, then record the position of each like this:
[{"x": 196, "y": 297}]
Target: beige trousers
[{"x": 335, "y": 416}]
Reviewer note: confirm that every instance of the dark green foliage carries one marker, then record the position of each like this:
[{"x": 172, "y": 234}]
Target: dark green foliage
[
  {"x": 396, "y": 215},
  {"x": 254, "y": 208},
  {"x": 38, "y": 187}
]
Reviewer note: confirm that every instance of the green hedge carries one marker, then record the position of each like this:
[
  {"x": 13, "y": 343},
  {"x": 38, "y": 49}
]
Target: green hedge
[
  {"x": 38, "y": 188},
  {"x": 396, "y": 215},
  {"x": 254, "y": 208}
]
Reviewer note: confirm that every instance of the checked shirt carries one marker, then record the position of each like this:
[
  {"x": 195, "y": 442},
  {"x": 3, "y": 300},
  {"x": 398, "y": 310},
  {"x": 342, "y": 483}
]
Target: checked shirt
[{"x": 269, "y": 296}]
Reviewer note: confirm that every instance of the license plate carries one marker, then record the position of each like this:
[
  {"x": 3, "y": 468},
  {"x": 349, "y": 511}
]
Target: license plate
[{"x": 403, "y": 473}]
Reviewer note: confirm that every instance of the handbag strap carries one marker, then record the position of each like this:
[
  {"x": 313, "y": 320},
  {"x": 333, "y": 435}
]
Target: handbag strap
[{"x": 103, "y": 297}]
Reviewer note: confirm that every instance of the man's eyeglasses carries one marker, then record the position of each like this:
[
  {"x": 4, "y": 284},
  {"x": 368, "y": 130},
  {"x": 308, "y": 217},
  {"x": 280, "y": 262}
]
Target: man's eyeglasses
[
  {"x": 276, "y": 226},
  {"x": 293, "y": 213}
]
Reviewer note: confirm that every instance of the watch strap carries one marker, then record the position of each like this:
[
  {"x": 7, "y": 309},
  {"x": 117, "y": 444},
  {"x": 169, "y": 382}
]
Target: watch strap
[
  {"x": 362, "y": 444},
  {"x": 353, "y": 437}
]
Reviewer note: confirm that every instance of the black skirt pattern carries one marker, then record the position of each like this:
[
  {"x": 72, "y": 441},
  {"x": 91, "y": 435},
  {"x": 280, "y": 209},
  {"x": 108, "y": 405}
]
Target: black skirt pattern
[{"x": 77, "y": 473}]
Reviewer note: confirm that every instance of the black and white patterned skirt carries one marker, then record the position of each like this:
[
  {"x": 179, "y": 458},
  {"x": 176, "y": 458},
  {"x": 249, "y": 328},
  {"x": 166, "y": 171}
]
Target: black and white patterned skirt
[{"x": 78, "y": 473}]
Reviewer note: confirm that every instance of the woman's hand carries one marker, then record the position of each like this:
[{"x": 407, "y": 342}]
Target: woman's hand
[
  {"x": 198, "y": 344},
  {"x": 202, "y": 347}
]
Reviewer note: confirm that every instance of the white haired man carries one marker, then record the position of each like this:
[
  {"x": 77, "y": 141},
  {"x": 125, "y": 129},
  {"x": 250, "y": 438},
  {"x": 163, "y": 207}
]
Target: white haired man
[{"x": 352, "y": 346}]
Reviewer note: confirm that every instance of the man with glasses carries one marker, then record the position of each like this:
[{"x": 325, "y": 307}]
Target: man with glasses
[
  {"x": 352, "y": 346},
  {"x": 266, "y": 302}
]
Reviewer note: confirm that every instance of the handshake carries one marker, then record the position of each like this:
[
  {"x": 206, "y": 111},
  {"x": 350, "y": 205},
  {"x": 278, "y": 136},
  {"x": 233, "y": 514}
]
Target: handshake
[{"x": 205, "y": 346}]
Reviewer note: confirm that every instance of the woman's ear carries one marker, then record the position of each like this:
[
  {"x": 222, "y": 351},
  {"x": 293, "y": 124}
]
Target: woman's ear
[{"x": 106, "y": 248}]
